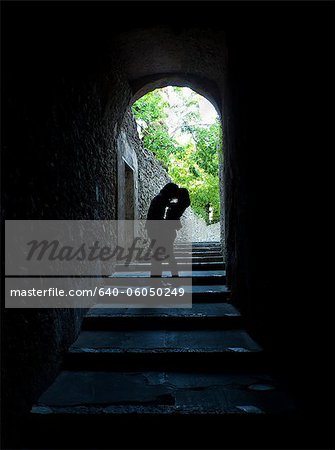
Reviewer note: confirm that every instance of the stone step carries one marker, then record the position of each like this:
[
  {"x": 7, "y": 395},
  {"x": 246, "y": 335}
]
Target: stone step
[
  {"x": 163, "y": 349},
  {"x": 200, "y": 316},
  {"x": 202, "y": 250},
  {"x": 199, "y": 277},
  {"x": 197, "y": 244},
  {"x": 196, "y": 248},
  {"x": 192, "y": 259},
  {"x": 125, "y": 293},
  {"x": 184, "y": 254},
  {"x": 198, "y": 251},
  {"x": 86, "y": 409},
  {"x": 88, "y": 392},
  {"x": 209, "y": 265}
]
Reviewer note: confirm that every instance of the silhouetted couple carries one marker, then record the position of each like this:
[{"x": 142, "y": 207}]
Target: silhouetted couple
[{"x": 163, "y": 221}]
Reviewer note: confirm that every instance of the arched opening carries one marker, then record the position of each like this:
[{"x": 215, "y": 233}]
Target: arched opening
[
  {"x": 203, "y": 86},
  {"x": 182, "y": 131}
]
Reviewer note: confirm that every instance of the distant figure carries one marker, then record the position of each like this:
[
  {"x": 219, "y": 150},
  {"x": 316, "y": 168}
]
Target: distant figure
[
  {"x": 155, "y": 229},
  {"x": 210, "y": 211}
]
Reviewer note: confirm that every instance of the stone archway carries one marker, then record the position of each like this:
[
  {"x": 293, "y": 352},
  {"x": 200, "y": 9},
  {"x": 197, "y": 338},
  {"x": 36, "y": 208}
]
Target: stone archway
[
  {"x": 159, "y": 56},
  {"x": 150, "y": 172}
]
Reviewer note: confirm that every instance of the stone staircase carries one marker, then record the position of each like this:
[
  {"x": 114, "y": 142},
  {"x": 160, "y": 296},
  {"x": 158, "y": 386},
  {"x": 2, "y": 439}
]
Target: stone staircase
[{"x": 166, "y": 378}]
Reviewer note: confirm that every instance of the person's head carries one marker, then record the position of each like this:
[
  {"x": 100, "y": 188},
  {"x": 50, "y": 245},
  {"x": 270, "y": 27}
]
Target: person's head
[
  {"x": 183, "y": 197},
  {"x": 170, "y": 190}
]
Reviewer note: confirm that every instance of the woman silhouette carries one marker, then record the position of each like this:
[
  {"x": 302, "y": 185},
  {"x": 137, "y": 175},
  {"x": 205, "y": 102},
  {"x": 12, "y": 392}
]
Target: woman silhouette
[{"x": 174, "y": 212}]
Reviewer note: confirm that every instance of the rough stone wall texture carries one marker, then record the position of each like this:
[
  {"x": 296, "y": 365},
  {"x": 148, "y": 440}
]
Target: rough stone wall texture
[
  {"x": 196, "y": 227},
  {"x": 151, "y": 174},
  {"x": 61, "y": 122},
  {"x": 127, "y": 198}
]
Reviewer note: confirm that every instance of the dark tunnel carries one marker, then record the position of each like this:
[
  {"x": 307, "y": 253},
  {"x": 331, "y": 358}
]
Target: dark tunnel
[{"x": 70, "y": 73}]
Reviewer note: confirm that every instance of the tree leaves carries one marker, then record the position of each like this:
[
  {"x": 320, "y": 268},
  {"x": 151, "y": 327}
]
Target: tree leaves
[{"x": 194, "y": 164}]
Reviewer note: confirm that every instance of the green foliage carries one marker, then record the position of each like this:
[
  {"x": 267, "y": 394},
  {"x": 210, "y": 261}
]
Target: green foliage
[
  {"x": 150, "y": 113},
  {"x": 194, "y": 164},
  {"x": 150, "y": 108}
]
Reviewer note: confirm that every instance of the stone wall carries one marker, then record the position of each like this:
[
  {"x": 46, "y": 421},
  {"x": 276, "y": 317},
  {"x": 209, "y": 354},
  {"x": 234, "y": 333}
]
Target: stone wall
[
  {"x": 62, "y": 144},
  {"x": 72, "y": 137},
  {"x": 61, "y": 122},
  {"x": 151, "y": 174},
  {"x": 196, "y": 227}
]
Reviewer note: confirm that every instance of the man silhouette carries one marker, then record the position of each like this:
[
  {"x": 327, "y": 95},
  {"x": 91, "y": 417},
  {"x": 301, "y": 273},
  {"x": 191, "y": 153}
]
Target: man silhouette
[
  {"x": 157, "y": 230},
  {"x": 173, "y": 214},
  {"x": 177, "y": 209}
]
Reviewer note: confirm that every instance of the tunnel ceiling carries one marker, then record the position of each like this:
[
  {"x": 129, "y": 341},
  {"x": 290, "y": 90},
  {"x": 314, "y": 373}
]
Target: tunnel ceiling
[{"x": 160, "y": 56}]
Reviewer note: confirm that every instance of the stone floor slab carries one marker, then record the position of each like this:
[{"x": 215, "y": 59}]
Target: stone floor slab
[
  {"x": 164, "y": 341},
  {"x": 129, "y": 392}
]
